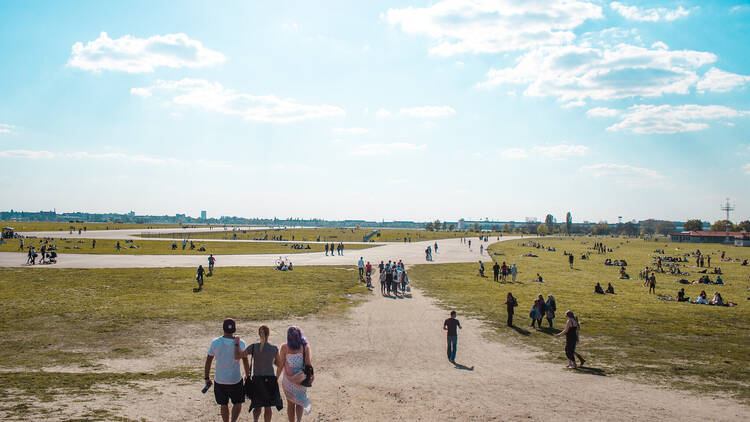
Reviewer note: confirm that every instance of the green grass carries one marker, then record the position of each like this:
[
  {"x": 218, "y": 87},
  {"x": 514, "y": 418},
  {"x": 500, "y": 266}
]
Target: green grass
[
  {"x": 631, "y": 333},
  {"x": 164, "y": 247},
  {"x": 75, "y": 317},
  {"x": 46, "y": 226},
  {"x": 80, "y": 315},
  {"x": 324, "y": 234}
]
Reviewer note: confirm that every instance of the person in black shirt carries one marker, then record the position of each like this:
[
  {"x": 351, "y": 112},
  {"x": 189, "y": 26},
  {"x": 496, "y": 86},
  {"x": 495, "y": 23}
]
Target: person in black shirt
[
  {"x": 496, "y": 271},
  {"x": 450, "y": 325}
]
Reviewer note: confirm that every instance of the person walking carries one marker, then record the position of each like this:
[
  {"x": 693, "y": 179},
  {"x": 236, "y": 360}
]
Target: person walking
[
  {"x": 294, "y": 355},
  {"x": 227, "y": 376},
  {"x": 570, "y": 260},
  {"x": 331, "y": 248},
  {"x": 510, "y": 303},
  {"x": 537, "y": 312},
  {"x": 551, "y": 308},
  {"x": 265, "y": 382},
  {"x": 572, "y": 328},
  {"x": 361, "y": 266},
  {"x": 496, "y": 272},
  {"x": 388, "y": 280},
  {"x": 326, "y": 249},
  {"x": 211, "y": 262},
  {"x": 383, "y": 282},
  {"x": 513, "y": 272},
  {"x": 199, "y": 277},
  {"x": 652, "y": 284},
  {"x": 450, "y": 325}
]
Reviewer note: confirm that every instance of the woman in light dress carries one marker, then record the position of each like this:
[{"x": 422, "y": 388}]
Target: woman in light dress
[{"x": 293, "y": 363}]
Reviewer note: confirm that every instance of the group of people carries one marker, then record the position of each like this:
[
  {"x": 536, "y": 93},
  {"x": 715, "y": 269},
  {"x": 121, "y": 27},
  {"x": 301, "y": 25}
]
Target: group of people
[
  {"x": 539, "y": 310},
  {"x": 500, "y": 273},
  {"x": 702, "y": 299},
  {"x": 46, "y": 255},
  {"x": 293, "y": 359},
  {"x": 339, "y": 249},
  {"x": 393, "y": 278}
]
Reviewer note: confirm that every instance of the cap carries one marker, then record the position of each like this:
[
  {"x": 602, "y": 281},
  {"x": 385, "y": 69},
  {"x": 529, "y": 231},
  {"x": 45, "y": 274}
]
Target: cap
[{"x": 230, "y": 326}]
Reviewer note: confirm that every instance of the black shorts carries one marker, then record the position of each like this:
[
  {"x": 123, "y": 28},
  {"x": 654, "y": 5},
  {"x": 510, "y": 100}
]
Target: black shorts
[{"x": 224, "y": 392}]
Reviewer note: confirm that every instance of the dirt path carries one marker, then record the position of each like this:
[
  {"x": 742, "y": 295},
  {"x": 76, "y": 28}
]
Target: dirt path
[{"x": 387, "y": 361}]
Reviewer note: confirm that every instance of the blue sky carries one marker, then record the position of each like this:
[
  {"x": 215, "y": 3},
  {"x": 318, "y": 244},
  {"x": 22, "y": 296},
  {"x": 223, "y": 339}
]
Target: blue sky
[{"x": 377, "y": 110}]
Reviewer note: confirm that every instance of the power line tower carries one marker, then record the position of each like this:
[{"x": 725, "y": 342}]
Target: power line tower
[{"x": 727, "y": 207}]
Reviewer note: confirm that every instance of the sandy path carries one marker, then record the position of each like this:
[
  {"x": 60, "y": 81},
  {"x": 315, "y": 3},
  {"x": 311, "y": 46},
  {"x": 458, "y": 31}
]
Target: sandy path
[
  {"x": 387, "y": 362},
  {"x": 449, "y": 251}
]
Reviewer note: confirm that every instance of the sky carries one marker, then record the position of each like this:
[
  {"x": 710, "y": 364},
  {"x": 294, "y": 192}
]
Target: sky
[{"x": 448, "y": 109}]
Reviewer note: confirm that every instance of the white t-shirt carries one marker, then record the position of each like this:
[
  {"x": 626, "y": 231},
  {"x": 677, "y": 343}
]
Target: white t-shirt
[
  {"x": 227, "y": 369},
  {"x": 361, "y": 263}
]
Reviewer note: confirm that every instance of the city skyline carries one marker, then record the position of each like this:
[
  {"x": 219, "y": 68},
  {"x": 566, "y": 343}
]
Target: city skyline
[{"x": 447, "y": 109}]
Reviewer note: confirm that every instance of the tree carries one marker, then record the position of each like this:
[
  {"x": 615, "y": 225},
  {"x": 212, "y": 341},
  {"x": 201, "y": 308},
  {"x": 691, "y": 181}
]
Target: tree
[
  {"x": 428, "y": 226},
  {"x": 476, "y": 227},
  {"x": 693, "y": 225},
  {"x": 568, "y": 222},
  {"x": 437, "y": 225},
  {"x": 648, "y": 227},
  {"x": 451, "y": 227},
  {"x": 549, "y": 221},
  {"x": 495, "y": 228},
  {"x": 542, "y": 229},
  {"x": 722, "y": 226},
  {"x": 507, "y": 228},
  {"x": 630, "y": 229},
  {"x": 665, "y": 227},
  {"x": 744, "y": 226},
  {"x": 445, "y": 226},
  {"x": 601, "y": 229}
]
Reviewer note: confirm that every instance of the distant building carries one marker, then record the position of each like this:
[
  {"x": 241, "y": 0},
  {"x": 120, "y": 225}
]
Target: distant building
[
  {"x": 203, "y": 215},
  {"x": 729, "y": 238},
  {"x": 461, "y": 223}
]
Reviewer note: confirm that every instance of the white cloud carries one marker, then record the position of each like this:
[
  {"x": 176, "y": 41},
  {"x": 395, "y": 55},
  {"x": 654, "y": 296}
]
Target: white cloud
[
  {"x": 575, "y": 72},
  {"x": 427, "y": 112},
  {"x": 387, "y": 149},
  {"x": 486, "y": 26},
  {"x": 212, "y": 96},
  {"x": 26, "y": 154},
  {"x": 562, "y": 150},
  {"x": 624, "y": 172},
  {"x": 83, "y": 155},
  {"x": 351, "y": 130},
  {"x": 382, "y": 113},
  {"x": 739, "y": 8},
  {"x": 648, "y": 15},
  {"x": 6, "y": 128},
  {"x": 459, "y": 63},
  {"x": 660, "y": 45},
  {"x": 140, "y": 92},
  {"x": 514, "y": 153},
  {"x": 602, "y": 112},
  {"x": 720, "y": 81},
  {"x": 138, "y": 55},
  {"x": 746, "y": 167},
  {"x": 574, "y": 103},
  {"x": 291, "y": 26},
  {"x": 667, "y": 119}
]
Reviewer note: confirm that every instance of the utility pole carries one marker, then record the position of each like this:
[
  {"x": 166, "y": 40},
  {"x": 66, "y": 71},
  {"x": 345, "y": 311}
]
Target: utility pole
[{"x": 727, "y": 208}]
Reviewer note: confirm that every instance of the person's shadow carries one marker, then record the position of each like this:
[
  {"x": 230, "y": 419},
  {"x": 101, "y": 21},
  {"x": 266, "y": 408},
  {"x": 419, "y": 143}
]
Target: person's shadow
[
  {"x": 463, "y": 367},
  {"x": 520, "y": 330},
  {"x": 591, "y": 371}
]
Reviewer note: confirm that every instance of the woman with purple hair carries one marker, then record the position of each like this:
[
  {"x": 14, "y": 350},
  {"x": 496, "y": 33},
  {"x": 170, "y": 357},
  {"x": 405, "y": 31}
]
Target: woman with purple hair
[{"x": 295, "y": 354}]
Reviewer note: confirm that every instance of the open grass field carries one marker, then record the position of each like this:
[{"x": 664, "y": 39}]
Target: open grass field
[
  {"x": 321, "y": 235},
  {"x": 164, "y": 247},
  {"x": 70, "y": 319},
  {"x": 631, "y": 333},
  {"x": 46, "y": 226}
]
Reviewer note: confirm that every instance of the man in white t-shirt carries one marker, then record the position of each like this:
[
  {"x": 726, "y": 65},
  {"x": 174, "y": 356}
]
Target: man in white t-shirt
[
  {"x": 227, "y": 377},
  {"x": 361, "y": 265}
]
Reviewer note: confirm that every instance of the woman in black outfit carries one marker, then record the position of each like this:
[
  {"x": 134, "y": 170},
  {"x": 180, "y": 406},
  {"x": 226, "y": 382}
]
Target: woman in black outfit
[
  {"x": 571, "y": 339},
  {"x": 511, "y": 303}
]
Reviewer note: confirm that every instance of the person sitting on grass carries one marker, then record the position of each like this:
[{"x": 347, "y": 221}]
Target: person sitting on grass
[
  {"x": 717, "y": 300},
  {"x": 719, "y": 280},
  {"x": 598, "y": 289},
  {"x": 610, "y": 288},
  {"x": 701, "y": 299},
  {"x": 607, "y": 261},
  {"x": 681, "y": 296},
  {"x": 538, "y": 278},
  {"x": 623, "y": 274}
]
